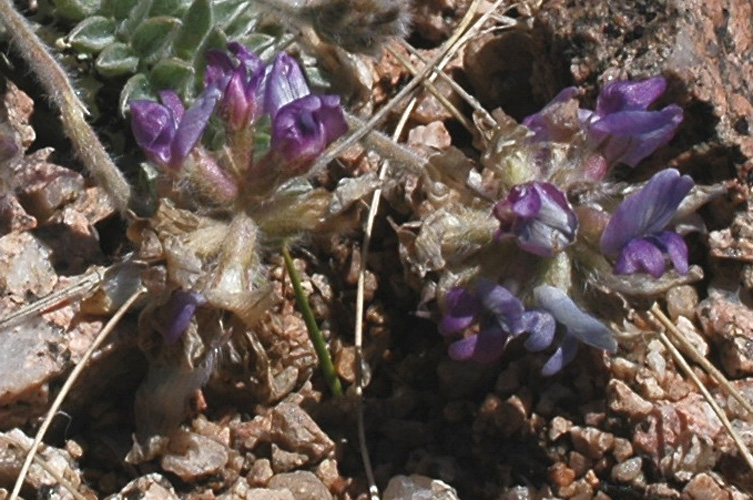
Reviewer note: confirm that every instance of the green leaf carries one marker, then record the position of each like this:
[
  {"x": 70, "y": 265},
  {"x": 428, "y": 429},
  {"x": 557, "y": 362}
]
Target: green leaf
[
  {"x": 151, "y": 40},
  {"x": 92, "y": 35},
  {"x": 137, "y": 87},
  {"x": 119, "y": 9},
  {"x": 196, "y": 25},
  {"x": 169, "y": 8},
  {"x": 116, "y": 60},
  {"x": 175, "y": 74},
  {"x": 77, "y": 10},
  {"x": 135, "y": 17},
  {"x": 228, "y": 11}
]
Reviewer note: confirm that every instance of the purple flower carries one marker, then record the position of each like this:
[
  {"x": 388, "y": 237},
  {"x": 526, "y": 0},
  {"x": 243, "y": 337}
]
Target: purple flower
[
  {"x": 180, "y": 310},
  {"x": 303, "y": 124},
  {"x": 238, "y": 80},
  {"x": 637, "y": 233},
  {"x": 500, "y": 315},
  {"x": 578, "y": 327},
  {"x": 303, "y": 128},
  {"x": 622, "y": 128},
  {"x": 539, "y": 216},
  {"x": 167, "y": 132}
]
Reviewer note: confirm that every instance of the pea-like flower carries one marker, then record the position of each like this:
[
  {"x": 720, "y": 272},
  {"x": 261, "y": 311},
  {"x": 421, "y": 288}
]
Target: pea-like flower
[
  {"x": 622, "y": 128},
  {"x": 168, "y": 132},
  {"x": 500, "y": 317},
  {"x": 576, "y": 326},
  {"x": 636, "y": 234},
  {"x": 303, "y": 124},
  {"x": 539, "y": 217}
]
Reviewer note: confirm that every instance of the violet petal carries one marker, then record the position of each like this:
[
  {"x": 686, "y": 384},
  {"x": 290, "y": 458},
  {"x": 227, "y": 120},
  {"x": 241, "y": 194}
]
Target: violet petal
[
  {"x": 561, "y": 357},
  {"x": 677, "y": 250},
  {"x": 584, "y": 327},
  {"x": 485, "y": 347},
  {"x": 631, "y": 136},
  {"x": 193, "y": 124},
  {"x": 628, "y": 95},
  {"x": 153, "y": 127},
  {"x": 646, "y": 212},
  {"x": 541, "y": 327},
  {"x": 181, "y": 308},
  {"x": 283, "y": 84},
  {"x": 641, "y": 255},
  {"x": 462, "y": 309}
]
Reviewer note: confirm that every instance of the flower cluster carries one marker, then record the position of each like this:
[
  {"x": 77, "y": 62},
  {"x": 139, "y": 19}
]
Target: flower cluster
[
  {"x": 241, "y": 89},
  {"x": 272, "y": 128},
  {"x": 563, "y": 240}
]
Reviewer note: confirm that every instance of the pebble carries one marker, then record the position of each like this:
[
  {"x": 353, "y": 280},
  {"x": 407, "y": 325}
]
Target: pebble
[
  {"x": 623, "y": 400},
  {"x": 561, "y": 475},
  {"x": 417, "y": 487},
  {"x": 304, "y": 485},
  {"x": 591, "y": 442},
  {"x": 628, "y": 470}
]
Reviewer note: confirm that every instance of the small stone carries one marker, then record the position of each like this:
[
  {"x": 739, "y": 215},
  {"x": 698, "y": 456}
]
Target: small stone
[
  {"x": 304, "y": 485},
  {"x": 628, "y": 470},
  {"x": 579, "y": 463},
  {"x": 260, "y": 472},
  {"x": 622, "y": 449},
  {"x": 661, "y": 490},
  {"x": 149, "y": 487},
  {"x": 591, "y": 442},
  {"x": 192, "y": 455},
  {"x": 558, "y": 427},
  {"x": 623, "y": 400},
  {"x": 704, "y": 487},
  {"x": 682, "y": 301},
  {"x": 416, "y": 487},
  {"x": 561, "y": 475},
  {"x": 284, "y": 461},
  {"x": 268, "y": 494}
]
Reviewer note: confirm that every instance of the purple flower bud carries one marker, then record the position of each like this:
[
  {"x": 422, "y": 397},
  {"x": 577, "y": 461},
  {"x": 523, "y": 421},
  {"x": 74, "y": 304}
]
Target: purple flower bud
[
  {"x": 167, "y": 132},
  {"x": 539, "y": 216},
  {"x": 636, "y": 232},
  {"x": 180, "y": 310},
  {"x": 622, "y": 129},
  {"x": 501, "y": 316},
  {"x": 238, "y": 81},
  {"x": 578, "y": 326}
]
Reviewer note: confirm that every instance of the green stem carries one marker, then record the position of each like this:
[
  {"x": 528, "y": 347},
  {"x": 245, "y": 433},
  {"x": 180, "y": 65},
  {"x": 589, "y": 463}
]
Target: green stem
[{"x": 320, "y": 346}]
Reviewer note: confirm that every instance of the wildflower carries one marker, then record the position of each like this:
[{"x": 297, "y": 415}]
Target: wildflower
[
  {"x": 637, "y": 233},
  {"x": 578, "y": 326},
  {"x": 303, "y": 124},
  {"x": 180, "y": 309},
  {"x": 239, "y": 81},
  {"x": 622, "y": 128},
  {"x": 167, "y": 132},
  {"x": 539, "y": 216},
  {"x": 500, "y": 315}
]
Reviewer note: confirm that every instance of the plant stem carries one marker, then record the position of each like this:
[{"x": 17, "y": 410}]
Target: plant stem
[
  {"x": 55, "y": 82},
  {"x": 320, "y": 346}
]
